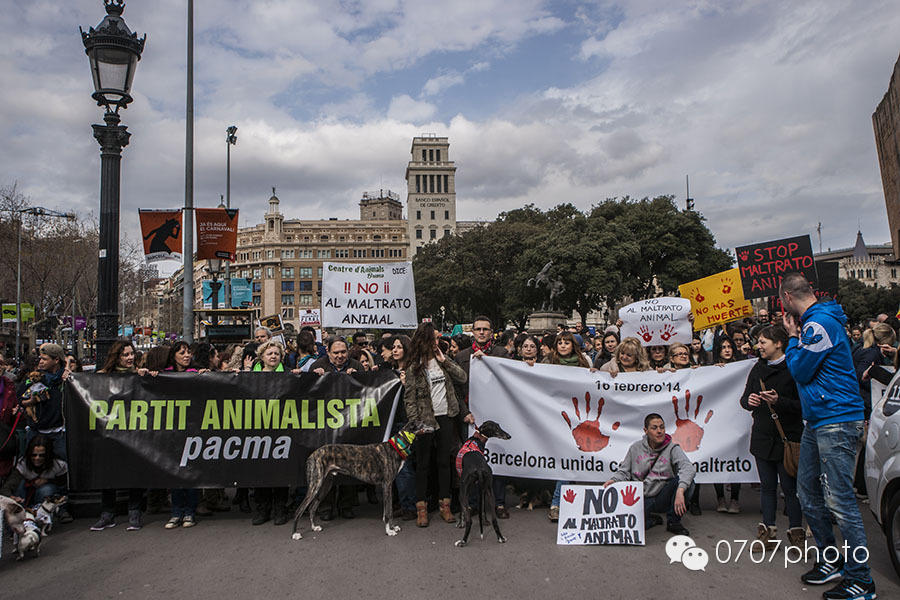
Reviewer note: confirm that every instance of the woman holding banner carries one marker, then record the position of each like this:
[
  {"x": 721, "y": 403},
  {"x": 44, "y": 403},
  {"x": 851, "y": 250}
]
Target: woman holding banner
[
  {"x": 771, "y": 396},
  {"x": 629, "y": 357},
  {"x": 607, "y": 348},
  {"x": 120, "y": 361},
  {"x": 723, "y": 353},
  {"x": 431, "y": 399},
  {"x": 184, "y": 501},
  {"x": 566, "y": 351}
]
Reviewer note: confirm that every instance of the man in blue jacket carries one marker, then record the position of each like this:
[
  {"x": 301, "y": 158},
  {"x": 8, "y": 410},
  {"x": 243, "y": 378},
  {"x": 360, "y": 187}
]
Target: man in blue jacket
[{"x": 818, "y": 357}]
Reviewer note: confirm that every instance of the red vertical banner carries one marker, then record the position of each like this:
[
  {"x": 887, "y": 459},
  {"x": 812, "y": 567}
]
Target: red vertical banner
[
  {"x": 216, "y": 233},
  {"x": 161, "y": 232}
]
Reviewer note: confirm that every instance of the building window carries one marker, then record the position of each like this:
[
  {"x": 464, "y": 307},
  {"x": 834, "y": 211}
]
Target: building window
[
  {"x": 376, "y": 237},
  {"x": 439, "y": 155},
  {"x": 395, "y": 252},
  {"x": 287, "y": 313},
  {"x": 418, "y": 234},
  {"x": 287, "y": 272},
  {"x": 257, "y": 300},
  {"x": 257, "y": 255},
  {"x": 287, "y": 299},
  {"x": 418, "y": 215},
  {"x": 446, "y": 215},
  {"x": 431, "y": 183},
  {"x": 341, "y": 239},
  {"x": 319, "y": 272},
  {"x": 893, "y": 273},
  {"x": 859, "y": 274},
  {"x": 446, "y": 233},
  {"x": 257, "y": 286},
  {"x": 287, "y": 286},
  {"x": 446, "y": 183},
  {"x": 287, "y": 254},
  {"x": 304, "y": 272},
  {"x": 270, "y": 254},
  {"x": 378, "y": 253},
  {"x": 305, "y": 286},
  {"x": 358, "y": 254},
  {"x": 433, "y": 234},
  {"x": 432, "y": 215},
  {"x": 305, "y": 300},
  {"x": 342, "y": 254},
  {"x": 270, "y": 272},
  {"x": 257, "y": 273},
  {"x": 305, "y": 238},
  {"x": 868, "y": 273},
  {"x": 307, "y": 253},
  {"x": 418, "y": 184},
  {"x": 424, "y": 155},
  {"x": 324, "y": 238},
  {"x": 246, "y": 274},
  {"x": 323, "y": 254}
]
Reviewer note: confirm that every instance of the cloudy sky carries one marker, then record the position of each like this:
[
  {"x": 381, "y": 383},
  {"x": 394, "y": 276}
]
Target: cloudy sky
[{"x": 767, "y": 106}]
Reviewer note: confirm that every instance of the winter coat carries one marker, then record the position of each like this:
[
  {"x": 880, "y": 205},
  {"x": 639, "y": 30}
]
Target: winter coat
[
  {"x": 672, "y": 462},
  {"x": 324, "y": 363},
  {"x": 765, "y": 441},
  {"x": 820, "y": 362},
  {"x": 417, "y": 393}
]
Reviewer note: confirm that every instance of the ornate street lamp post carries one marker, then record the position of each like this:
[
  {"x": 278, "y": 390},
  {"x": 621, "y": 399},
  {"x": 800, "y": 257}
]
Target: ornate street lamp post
[{"x": 114, "y": 51}]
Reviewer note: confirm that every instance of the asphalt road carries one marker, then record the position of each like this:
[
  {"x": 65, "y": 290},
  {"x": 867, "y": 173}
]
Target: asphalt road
[{"x": 225, "y": 558}]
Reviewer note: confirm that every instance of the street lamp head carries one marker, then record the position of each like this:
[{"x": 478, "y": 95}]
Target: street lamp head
[
  {"x": 231, "y": 138},
  {"x": 215, "y": 265},
  {"x": 114, "y": 51}
]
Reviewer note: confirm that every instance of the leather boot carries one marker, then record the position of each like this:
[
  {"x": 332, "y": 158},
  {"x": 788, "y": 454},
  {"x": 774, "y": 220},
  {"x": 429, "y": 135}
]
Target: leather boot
[
  {"x": 446, "y": 513},
  {"x": 796, "y": 537},
  {"x": 768, "y": 535},
  {"x": 422, "y": 513}
]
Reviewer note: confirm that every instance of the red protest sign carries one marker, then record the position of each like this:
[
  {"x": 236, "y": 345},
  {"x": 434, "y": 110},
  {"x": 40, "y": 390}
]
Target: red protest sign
[
  {"x": 762, "y": 266},
  {"x": 217, "y": 233}
]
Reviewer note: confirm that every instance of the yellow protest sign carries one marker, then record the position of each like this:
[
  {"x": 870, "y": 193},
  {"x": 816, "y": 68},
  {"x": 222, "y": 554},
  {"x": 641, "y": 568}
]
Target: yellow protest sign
[{"x": 716, "y": 299}]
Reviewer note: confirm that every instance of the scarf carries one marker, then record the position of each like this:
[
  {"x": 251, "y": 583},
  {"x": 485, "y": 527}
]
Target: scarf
[
  {"x": 402, "y": 442},
  {"x": 485, "y": 348},
  {"x": 570, "y": 360}
]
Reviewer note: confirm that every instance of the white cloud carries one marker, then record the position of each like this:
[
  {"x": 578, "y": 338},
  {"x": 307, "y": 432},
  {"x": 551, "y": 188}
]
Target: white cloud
[
  {"x": 405, "y": 109},
  {"x": 438, "y": 84}
]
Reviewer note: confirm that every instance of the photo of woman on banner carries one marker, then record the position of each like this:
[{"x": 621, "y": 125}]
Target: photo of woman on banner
[{"x": 667, "y": 482}]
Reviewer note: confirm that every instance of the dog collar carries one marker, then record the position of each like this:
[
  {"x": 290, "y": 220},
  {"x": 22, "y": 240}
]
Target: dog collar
[{"x": 402, "y": 442}]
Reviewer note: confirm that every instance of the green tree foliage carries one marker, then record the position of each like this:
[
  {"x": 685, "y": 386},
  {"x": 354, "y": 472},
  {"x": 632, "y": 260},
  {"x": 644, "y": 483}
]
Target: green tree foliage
[
  {"x": 620, "y": 248},
  {"x": 862, "y": 302}
]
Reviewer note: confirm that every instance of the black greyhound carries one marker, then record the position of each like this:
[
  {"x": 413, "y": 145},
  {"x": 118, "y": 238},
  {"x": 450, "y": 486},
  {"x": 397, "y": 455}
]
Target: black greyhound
[
  {"x": 370, "y": 463},
  {"x": 474, "y": 470}
]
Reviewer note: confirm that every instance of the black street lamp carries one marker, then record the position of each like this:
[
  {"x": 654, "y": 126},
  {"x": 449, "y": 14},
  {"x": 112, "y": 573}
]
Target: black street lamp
[{"x": 114, "y": 51}]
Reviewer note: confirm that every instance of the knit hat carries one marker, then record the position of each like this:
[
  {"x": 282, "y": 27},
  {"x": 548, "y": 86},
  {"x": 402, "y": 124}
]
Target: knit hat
[{"x": 54, "y": 351}]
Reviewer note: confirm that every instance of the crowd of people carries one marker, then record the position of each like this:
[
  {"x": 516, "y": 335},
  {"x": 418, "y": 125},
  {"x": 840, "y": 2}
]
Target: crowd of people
[{"x": 812, "y": 375}]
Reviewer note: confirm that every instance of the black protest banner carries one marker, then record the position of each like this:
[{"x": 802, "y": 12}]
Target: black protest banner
[
  {"x": 828, "y": 279},
  {"x": 763, "y": 265},
  {"x": 216, "y": 429}
]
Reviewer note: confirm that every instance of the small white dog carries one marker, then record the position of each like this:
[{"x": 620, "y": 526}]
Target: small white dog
[
  {"x": 30, "y": 540},
  {"x": 45, "y": 512}
]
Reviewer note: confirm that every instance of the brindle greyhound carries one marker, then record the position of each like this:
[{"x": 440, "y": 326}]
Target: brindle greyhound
[
  {"x": 474, "y": 469},
  {"x": 370, "y": 463}
]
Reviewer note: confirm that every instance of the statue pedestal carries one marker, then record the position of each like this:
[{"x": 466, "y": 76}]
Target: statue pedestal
[{"x": 539, "y": 322}]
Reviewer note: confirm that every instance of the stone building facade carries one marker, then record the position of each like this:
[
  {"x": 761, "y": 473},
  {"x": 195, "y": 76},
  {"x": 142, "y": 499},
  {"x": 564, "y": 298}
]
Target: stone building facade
[
  {"x": 886, "y": 121},
  {"x": 431, "y": 191},
  {"x": 872, "y": 265}
]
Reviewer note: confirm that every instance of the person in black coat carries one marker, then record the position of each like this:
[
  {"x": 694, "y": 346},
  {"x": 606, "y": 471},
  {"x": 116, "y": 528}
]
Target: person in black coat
[{"x": 771, "y": 387}]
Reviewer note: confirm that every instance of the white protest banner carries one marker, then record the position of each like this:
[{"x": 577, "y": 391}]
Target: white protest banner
[
  {"x": 657, "y": 321},
  {"x": 570, "y": 424},
  {"x": 369, "y": 295},
  {"x": 592, "y": 514},
  {"x": 311, "y": 317}
]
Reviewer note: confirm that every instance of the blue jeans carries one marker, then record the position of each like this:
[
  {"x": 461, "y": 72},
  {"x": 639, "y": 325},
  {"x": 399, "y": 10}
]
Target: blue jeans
[
  {"x": 664, "y": 501},
  {"x": 825, "y": 487},
  {"x": 40, "y": 494},
  {"x": 557, "y": 491},
  {"x": 770, "y": 471},
  {"x": 406, "y": 486},
  {"x": 184, "y": 502}
]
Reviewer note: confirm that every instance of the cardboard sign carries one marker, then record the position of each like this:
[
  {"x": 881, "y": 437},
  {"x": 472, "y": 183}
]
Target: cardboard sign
[
  {"x": 762, "y": 266},
  {"x": 828, "y": 279},
  {"x": 657, "y": 321},
  {"x": 591, "y": 514},
  {"x": 716, "y": 299},
  {"x": 312, "y": 317},
  {"x": 381, "y": 295},
  {"x": 216, "y": 233},
  {"x": 161, "y": 230}
]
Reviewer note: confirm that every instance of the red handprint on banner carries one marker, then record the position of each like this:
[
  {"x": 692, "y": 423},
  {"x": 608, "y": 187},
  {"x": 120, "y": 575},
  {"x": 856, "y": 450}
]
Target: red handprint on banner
[
  {"x": 696, "y": 295},
  {"x": 743, "y": 255},
  {"x": 645, "y": 334},
  {"x": 688, "y": 434},
  {"x": 569, "y": 496},
  {"x": 628, "y": 495},
  {"x": 726, "y": 285},
  {"x": 667, "y": 332},
  {"x": 587, "y": 434}
]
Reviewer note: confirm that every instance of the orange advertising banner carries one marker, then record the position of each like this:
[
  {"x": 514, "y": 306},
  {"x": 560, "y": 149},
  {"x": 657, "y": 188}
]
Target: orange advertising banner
[
  {"x": 161, "y": 231},
  {"x": 217, "y": 233},
  {"x": 717, "y": 299}
]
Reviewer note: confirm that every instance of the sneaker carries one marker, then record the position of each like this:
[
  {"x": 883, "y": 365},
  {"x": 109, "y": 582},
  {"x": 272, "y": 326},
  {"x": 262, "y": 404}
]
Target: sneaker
[
  {"x": 188, "y": 521},
  {"x": 106, "y": 521},
  {"x": 553, "y": 515},
  {"x": 823, "y": 572},
  {"x": 173, "y": 523},
  {"x": 851, "y": 589},
  {"x": 135, "y": 520},
  {"x": 677, "y": 529},
  {"x": 733, "y": 507},
  {"x": 721, "y": 505}
]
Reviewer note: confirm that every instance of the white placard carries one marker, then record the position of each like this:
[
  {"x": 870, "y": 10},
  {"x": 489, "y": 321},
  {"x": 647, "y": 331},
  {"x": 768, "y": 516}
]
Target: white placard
[
  {"x": 592, "y": 514},
  {"x": 311, "y": 317},
  {"x": 657, "y": 321},
  {"x": 570, "y": 424},
  {"x": 381, "y": 295}
]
